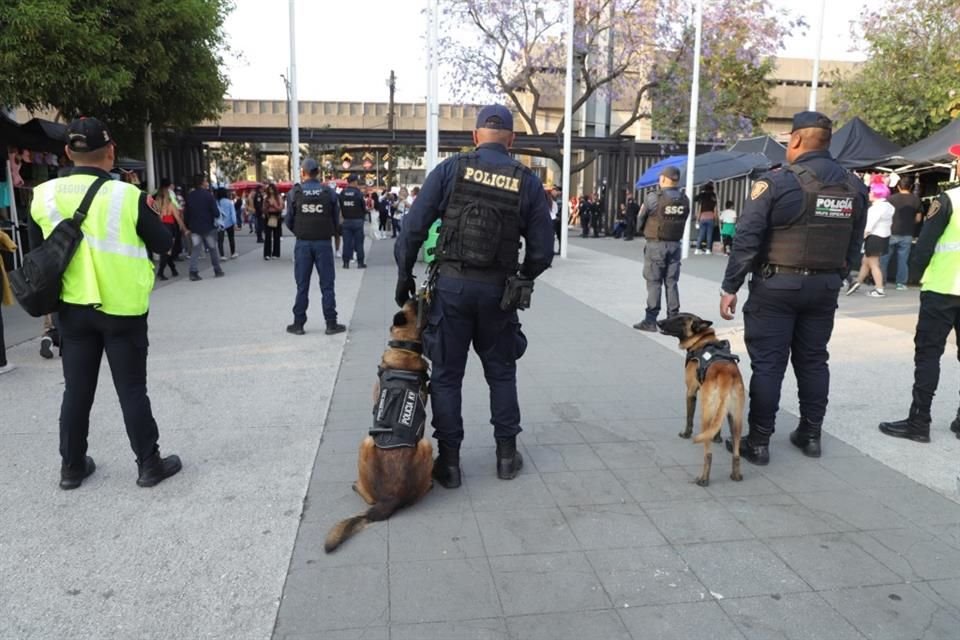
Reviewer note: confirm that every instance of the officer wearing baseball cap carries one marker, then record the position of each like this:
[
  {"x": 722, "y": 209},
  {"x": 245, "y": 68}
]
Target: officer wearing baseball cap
[
  {"x": 798, "y": 235},
  {"x": 354, "y": 211},
  {"x": 487, "y": 202},
  {"x": 104, "y": 301},
  {"x": 663, "y": 217}
]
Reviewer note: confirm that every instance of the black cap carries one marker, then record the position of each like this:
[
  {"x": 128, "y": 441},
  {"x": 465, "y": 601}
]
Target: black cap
[
  {"x": 87, "y": 134},
  {"x": 671, "y": 173},
  {"x": 352, "y": 177},
  {"x": 310, "y": 166},
  {"x": 811, "y": 120},
  {"x": 495, "y": 116}
]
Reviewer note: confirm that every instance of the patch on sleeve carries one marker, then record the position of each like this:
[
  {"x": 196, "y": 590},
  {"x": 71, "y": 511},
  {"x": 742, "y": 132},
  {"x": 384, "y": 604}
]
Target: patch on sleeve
[
  {"x": 759, "y": 188},
  {"x": 934, "y": 208}
]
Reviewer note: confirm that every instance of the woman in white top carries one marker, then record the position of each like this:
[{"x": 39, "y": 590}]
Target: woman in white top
[{"x": 876, "y": 239}]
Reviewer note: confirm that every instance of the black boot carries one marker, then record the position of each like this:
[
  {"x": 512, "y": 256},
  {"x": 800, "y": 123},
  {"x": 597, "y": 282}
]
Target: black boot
[
  {"x": 806, "y": 437},
  {"x": 71, "y": 477},
  {"x": 446, "y": 467},
  {"x": 915, "y": 427},
  {"x": 955, "y": 425},
  {"x": 752, "y": 451},
  {"x": 295, "y": 329},
  {"x": 156, "y": 469},
  {"x": 509, "y": 460},
  {"x": 333, "y": 327}
]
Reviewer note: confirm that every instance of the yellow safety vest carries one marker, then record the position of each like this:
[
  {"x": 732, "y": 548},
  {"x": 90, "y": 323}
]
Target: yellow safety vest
[
  {"x": 943, "y": 272},
  {"x": 110, "y": 270}
]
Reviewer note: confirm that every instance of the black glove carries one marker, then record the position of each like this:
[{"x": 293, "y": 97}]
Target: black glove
[{"x": 406, "y": 289}]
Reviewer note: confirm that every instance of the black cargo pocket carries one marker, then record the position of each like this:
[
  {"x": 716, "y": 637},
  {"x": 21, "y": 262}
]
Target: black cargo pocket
[{"x": 432, "y": 338}]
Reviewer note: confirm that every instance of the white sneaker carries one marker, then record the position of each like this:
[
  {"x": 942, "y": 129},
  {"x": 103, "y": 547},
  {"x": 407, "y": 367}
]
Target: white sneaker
[
  {"x": 235, "y": 256},
  {"x": 877, "y": 293},
  {"x": 708, "y": 252},
  {"x": 7, "y": 368},
  {"x": 853, "y": 287},
  {"x": 698, "y": 252}
]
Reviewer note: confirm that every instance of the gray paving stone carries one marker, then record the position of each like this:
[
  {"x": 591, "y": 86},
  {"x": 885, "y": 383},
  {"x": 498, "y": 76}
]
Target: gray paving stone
[
  {"x": 564, "y": 457},
  {"x": 416, "y": 536},
  {"x": 487, "y": 629},
  {"x": 894, "y": 612},
  {"x": 949, "y": 533},
  {"x": 740, "y": 569},
  {"x": 520, "y": 531},
  {"x": 689, "y": 522},
  {"x": 442, "y": 591},
  {"x": 700, "y": 620},
  {"x": 632, "y": 455},
  {"x": 526, "y": 491},
  {"x": 832, "y": 561},
  {"x": 545, "y": 583},
  {"x": 612, "y": 526},
  {"x": 646, "y": 576},
  {"x": 655, "y": 485},
  {"x": 946, "y": 592},
  {"x": 792, "y": 616},
  {"x": 580, "y": 625},
  {"x": 863, "y": 472},
  {"x": 549, "y": 432},
  {"x": 721, "y": 486},
  {"x": 571, "y": 488},
  {"x": 918, "y": 504},
  {"x": 329, "y": 598},
  {"x": 802, "y": 475},
  {"x": 851, "y": 510},
  {"x": 912, "y": 554},
  {"x": 769, "y": 516},
  {"x": 365, "y": 633},
  {"x": 608, "y": 432},
  {"x": 335, "y": 467}
]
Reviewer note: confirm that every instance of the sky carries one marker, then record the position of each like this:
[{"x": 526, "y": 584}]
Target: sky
[{"x": 345, "y": 50}]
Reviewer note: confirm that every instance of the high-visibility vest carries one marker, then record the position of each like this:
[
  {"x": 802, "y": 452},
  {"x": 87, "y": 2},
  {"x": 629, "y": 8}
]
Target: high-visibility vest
[
  {"x": 110, "y": 270},
  {"x": 943, "y": 273}
]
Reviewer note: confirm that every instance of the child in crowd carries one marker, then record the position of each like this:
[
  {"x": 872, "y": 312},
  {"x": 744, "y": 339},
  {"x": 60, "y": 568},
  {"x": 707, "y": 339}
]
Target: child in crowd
[{"x": 728, "y": 225}]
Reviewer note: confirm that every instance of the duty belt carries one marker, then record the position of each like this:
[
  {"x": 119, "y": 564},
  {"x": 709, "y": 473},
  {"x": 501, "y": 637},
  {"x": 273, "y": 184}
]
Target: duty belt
[{"x": 770, "y": 269}]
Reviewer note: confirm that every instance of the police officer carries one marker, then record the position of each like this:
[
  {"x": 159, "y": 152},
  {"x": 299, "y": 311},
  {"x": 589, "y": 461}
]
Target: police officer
[
  {"x": 633, "y": 213},
  {"x": 937, "y": 256},
  {"x": 585, "y": 210},
  {"x": 799, "y": 232},
  {"x": 104, "y": 301},
  {"x": 313, "y": 215},
  {"x": 487, "y": 201},
  {"x": 663, "y": 217},
  {"x": 597, "y": 205},
  {"x": 354, "y": 210}
]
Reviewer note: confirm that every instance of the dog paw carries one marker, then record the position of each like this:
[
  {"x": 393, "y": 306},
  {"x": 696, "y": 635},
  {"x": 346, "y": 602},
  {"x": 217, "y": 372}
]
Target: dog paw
[
  {"x": 702, "y": 482},
  {"x": 685, "y": 434},
  {"x": 736, "y": 477}
]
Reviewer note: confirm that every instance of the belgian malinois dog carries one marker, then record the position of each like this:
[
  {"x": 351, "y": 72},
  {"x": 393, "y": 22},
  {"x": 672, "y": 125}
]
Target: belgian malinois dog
[
  {"x": 395, "y": 477},
  {"x": 712, "y": 372}
]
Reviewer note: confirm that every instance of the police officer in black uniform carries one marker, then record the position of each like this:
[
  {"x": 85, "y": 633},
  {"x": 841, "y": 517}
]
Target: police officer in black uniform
[
  {"x": 663, "y": 217},
  {"x": 633, "y": 214},
  {"x": 353, "y": 210},
  {"x": 798, "y": 234},
  {"x": 313, "y": 214},
  {"x": 487, "y": 201}
]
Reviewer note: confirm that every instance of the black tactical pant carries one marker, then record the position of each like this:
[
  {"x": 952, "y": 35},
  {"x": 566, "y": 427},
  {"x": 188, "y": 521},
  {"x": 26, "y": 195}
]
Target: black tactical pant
[
  {"x": 661, "y": 270},
  {"x": 939, "y": 314}
]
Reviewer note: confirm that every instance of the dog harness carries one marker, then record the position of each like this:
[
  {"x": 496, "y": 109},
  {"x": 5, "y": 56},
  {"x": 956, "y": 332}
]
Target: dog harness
[
  {"x": 707, "y": 355},
  {"x": 400, "y": 414}
]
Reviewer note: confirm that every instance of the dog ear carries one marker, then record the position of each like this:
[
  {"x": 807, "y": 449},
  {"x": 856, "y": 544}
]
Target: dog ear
[
  {"x": 701, "y": 325},
  {"x": 399, "y": 319}
]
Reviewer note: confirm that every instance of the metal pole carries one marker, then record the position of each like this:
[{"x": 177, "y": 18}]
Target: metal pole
[
  {"x": 391, "y": 162},
  {"x": 816, "y": 61},
  {"x": 293, "y": 108},
  {"x": 148, "y": 157},
  {"x": 567, "y": 134},
  {"x": 694, "y": 111},
  {"x": 433, "y": 86}
]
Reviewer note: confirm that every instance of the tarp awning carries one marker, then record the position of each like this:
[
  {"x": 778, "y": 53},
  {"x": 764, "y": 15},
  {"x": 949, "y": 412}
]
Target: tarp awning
[
  {"x": 856, "y": 145},
  {"x": 934, "y": 148},
  {"x": 717, "y": 166},
  {"x": 775, "y": 152}
]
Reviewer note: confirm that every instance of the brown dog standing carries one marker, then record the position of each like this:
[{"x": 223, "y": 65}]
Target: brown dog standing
[
  {"x": 712, "y": 372},
  {"x": 394, "y": 465}
]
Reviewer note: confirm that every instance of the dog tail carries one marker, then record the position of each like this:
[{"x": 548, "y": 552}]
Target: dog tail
[
  {"x": 347, "y": 528},
  {"x": 716, "y": 424}
]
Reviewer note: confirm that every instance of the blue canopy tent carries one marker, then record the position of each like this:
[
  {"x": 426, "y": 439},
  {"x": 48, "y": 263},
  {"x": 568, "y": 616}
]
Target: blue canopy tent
[
  {"x": 714, "y": 166},
  {"x": 651, "y": 177}
]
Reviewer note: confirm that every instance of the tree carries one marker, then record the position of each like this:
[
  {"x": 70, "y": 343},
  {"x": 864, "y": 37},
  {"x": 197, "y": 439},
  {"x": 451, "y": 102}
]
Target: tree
[
  {"x": 520, "y": 56},
  {"x": 233, "y": 159},
  {"x": 130, "y": 62},
  {"x": 909, "y": 87}
]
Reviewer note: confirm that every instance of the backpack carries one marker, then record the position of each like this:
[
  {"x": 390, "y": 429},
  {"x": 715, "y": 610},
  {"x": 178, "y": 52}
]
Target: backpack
[{"x": 37, "y": 284}]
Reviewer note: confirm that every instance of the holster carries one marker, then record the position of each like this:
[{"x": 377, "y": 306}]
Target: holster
[
  {"x": 516, "y": 294},
  {"x": 425, "y": 297}
]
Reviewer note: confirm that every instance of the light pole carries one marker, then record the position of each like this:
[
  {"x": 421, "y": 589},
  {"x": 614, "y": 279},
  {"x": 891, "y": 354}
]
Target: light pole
[
  {"x": 816, "y": 61},
  {"x": 567, "y": 134},
  {"x": 286, "y": 85},
  {"x": 694, "y": 113},
  {"x": 293, "y": 106}
]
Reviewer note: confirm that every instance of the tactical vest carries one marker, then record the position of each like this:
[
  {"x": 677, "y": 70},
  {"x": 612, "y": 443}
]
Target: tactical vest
[
  {"x": 942, "y": 275},
  {"x": 714, "y": 352},
  {"x": 314, "y": 212},
  {"x": 110, "y": 270},
  {"x": 481, "y": 225},
  {"x": 669, "y": 219},
  {"x": 400, "y": 414},
  {"x": 352, "y": 206},
  {"x": 819, "y": 236}
]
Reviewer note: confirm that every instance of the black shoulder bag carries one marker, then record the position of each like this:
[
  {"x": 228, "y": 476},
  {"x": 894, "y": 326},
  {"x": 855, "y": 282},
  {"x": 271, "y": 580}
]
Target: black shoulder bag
[{"x": 38, "y": 283}]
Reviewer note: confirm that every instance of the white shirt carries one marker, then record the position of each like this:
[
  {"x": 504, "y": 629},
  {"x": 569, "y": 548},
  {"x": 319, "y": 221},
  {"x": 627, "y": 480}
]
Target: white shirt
[
  {"x": 728, "y": 215},
  {"x": 879, "y": 219},
  {"x": 554, "y": 209}
]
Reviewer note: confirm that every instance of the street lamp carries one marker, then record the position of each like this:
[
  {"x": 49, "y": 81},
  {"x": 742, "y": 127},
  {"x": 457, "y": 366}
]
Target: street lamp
[{"x": 286, "y": 86}]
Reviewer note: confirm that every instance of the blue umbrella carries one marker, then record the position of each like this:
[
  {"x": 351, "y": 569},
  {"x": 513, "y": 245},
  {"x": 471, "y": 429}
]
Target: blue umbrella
[{"x": 651, "y": 176}]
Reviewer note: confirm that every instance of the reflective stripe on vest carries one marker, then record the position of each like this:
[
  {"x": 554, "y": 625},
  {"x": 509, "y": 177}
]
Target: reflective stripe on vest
[
  {"x": 110, "y": 269},
  {"x": 943, "y": 273}
]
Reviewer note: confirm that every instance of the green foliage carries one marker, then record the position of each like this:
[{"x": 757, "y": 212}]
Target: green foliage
[
  {"x": 128, "y": 62},
  {"x": 910, "y": 85},
  {"x": 232, "y": 160}
]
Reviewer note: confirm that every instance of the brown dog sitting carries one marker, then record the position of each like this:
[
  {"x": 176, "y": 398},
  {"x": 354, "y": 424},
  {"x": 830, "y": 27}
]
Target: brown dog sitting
[
  {"x": 712, "y": 372},
  {"x": 395, "y": 459}
]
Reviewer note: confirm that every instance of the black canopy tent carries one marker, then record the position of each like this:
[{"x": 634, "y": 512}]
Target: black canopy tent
[
  {"x": 856, "y": 145},
  {"x": 716, "y": 166},
  {"x": 775, "y": 152},
  {"x": 934, "y": 149}
]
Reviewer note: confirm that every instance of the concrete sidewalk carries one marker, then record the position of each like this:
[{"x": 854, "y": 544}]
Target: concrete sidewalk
[{"x": 603, "y": 535}]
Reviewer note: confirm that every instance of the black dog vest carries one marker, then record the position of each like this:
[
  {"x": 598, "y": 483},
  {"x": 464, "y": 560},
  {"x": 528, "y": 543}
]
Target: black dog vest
[
  {"x": 400, "y": 414},
  {"x": 707, "y": 355}
]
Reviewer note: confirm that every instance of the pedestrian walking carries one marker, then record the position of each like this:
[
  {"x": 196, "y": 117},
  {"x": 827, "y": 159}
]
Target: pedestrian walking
[
  {"x": 555, "y": 218},
  {"x": 798, "y": 233},
  {"x": 258, "y": 213},
  {"x": 486, "y": 202},
  {"x": 706, "y": 219},
  {"x": 662, "y": 219},
  {"x": 173, "y": 222},
  {"x": 380, "y": 206},
  {"x": 227, "y": 223},
  {"x": 272, "y": 217},
  {"x": 104, "y": 301},
  {"x": 200, "y": 218},
  {"x": 353, "y": 210},
  {"x": 6, "y": 298},
  {"x": 585, "y": 210},
  {"x": 907, "y": 215},
  {"x": 313, "y": 216},
  {"x": 876, "y": 240}
]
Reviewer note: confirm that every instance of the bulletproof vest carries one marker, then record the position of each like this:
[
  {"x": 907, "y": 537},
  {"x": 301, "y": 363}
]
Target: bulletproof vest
[
  {"x": 714, "y": 352},
  {"x": 314, "y": 213},
  {"x": 351, "y": 204},
  {"x": 480, "y": 227},
  {"x": 819, "y": 236},
  {"x": 669, "y": 218},
  {"x": 401, "y": 411}
]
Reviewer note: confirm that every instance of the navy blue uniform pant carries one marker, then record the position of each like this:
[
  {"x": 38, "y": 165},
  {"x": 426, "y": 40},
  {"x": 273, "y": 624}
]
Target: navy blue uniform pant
[
  {"x": 661, "y": 270},
  {"x": 307, "y": 256},
  {"x": 466, "y": 312},
  {"x": 789, "y": 317},
  {"x": 353, "y": 240},
  {"x": 939, "y": 315}
]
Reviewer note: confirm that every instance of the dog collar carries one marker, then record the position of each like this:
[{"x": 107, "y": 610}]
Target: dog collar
[{"x": 406, "y": 345}]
